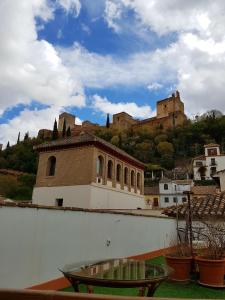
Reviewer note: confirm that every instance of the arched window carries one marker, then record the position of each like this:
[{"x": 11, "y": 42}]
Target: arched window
[
  {"x": 118, "y": 173},
  {"x": 138, "y": 181},
  {"x": 132, "y": 178},
  {"x": 110, "y": 169},
  {"x": 126, "y": 175},
  {"x": 51, "y": 166},
  {"x": 165, "y": 186},
  {"x": 99, "y": 166}
]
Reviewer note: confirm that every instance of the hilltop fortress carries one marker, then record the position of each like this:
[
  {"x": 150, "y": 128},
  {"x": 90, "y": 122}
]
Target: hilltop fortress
[{"x": 169, "y": 114}]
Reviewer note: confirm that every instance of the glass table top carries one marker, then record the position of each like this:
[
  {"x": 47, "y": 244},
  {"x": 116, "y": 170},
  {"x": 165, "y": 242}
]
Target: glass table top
[{"x": 118, "y": 269}]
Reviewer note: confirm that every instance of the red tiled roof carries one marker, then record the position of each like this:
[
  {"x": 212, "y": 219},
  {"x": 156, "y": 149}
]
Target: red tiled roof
[
  {"x": 87, "y": 139},
  {"x": 200, "y": 157},
  {"x": 204, "y": 190},
  {"x": 204, "y": 207}
]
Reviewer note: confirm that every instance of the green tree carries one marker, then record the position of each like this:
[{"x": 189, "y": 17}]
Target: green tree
[
  {"x": 161, "y": 138},
  {"x": 26, "y": 136},
  {"x": 55, "y": 133},
  {"x": 64, "y": 128},
  {"x": 167, "y": 162},
  {"x": 165, "y": 148},
  {"x": 115, "y": 140},
  {"x": 18, "y": 138},
  {"x": 68, "y": 132},
  {"x": 107, "y": 121}
]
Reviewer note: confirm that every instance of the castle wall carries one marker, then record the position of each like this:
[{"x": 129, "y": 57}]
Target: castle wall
[
  {"x": 70, "y": 121},
  {"x": 123, "y": 121},
  {"x": 164, "y": 123},
  {"x": 170, "y": 105}
]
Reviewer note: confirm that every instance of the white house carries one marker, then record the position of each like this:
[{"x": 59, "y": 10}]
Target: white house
[
  {"x": 172, "y": 191},
  {"x": 207, "y": 165}
]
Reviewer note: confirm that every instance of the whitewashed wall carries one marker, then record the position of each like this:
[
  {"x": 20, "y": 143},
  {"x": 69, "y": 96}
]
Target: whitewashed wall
[
  {"x": 88, "y": 196},
  {"x": 35, "y": 242}
]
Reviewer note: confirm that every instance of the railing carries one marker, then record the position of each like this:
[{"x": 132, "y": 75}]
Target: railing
[{"x": 11, "y": 294}]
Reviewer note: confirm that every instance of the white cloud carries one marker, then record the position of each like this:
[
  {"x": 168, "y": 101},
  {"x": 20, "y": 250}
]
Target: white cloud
[
  {"x": 112, "y": 13},
  {"x": 102, "y": 104},
  {"x": 71, "y": 6},
  {"x": 154, "y": 86},
  {"x": 85, "y": 28},
  {"x": 30, "y": 68},
  {"x": 100, "y": 71},
  {"x": 28, "y": 120},
  {"x": 165, "y": 16},
  {"x": 31, "y": 121}
]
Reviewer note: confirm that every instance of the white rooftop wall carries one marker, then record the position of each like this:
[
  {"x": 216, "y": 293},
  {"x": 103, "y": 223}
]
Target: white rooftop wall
[{"x": 35, "y": 242}]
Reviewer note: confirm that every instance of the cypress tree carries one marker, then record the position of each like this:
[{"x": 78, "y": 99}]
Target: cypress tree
[
  {"x": 26, "y": 136},
  {"x": 18, "y": 138},
  {"x": 8, "y": 145},
  {"x": 107, "y": 121},
  {"x": 68, "y": 132},
  {"x": 55, "y": 133},
  {"x": 64, "y": 129}
]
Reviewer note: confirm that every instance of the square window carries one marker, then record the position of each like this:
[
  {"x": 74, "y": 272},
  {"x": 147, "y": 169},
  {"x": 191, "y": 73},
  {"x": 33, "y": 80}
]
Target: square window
[
  {"x": 59, "y": 202},
  {"x": 166, "y": 199}
]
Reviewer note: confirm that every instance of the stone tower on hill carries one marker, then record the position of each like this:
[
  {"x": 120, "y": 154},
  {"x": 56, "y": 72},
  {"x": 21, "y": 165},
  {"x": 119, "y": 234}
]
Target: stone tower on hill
[
  {"x": 170, "y": 114},
  {"x": 69, "y": 120}
]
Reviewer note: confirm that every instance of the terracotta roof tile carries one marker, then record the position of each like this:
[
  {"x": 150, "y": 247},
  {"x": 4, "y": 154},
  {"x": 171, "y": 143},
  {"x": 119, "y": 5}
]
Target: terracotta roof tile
[
  {"x": 211, "y": 205},
  {"x": 200, "y": 157},
  {"x": 82, "y": 139},
  {"x": 204, "y": 190}
]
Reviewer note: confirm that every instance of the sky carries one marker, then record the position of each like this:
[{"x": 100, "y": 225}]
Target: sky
[{"x": 93, "y": 57}]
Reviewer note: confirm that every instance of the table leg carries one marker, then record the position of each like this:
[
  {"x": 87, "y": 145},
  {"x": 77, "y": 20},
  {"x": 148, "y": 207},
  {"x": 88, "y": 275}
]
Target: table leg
[
  {"x": 75, "y": 285},
  {"x": 141, "y": 292},
  {"x": 151, "y": 289},
  {"x": 90, "y": 289}
]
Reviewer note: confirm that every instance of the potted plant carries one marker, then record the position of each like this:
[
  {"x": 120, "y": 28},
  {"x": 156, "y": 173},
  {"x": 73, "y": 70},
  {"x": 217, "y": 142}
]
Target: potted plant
[
  {"x": 211, "y": 263},
  {"x": 180, "y": 261}
]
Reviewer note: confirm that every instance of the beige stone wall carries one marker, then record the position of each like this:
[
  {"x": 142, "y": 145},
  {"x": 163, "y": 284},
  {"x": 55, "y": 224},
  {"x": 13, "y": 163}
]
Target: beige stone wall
[
  {"x": 73, "y": 167},
  {"x": 77, "y": 166},
  {"x": 70, "y": 121},
  {"x": 173, "y": 104},
  {"x": 122, "y": 121}
]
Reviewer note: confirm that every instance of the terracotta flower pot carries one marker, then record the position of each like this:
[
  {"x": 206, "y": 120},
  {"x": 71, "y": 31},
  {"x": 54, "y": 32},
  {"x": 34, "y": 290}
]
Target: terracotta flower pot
[
  {"x": 181, "y": 266},
  {"x": 211, "y": 271}
]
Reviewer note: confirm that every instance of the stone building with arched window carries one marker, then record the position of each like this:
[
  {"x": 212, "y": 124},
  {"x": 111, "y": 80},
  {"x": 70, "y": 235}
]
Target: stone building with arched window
[{"x": 87, "y": 172}]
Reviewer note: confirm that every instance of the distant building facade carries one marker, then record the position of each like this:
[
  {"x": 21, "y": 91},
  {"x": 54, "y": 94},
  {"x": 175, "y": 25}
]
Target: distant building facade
[
  {"x": 87, "y": 172},
  {"x": 172, "y": 191},
  {"x": 206, "y": 166},
  {"x": 152, "y": 197}
]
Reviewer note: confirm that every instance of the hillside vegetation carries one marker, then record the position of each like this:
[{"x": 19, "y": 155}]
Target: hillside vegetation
[
  {"x": 157, "y": 149},
  {"x": 171, "y": 147}
]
